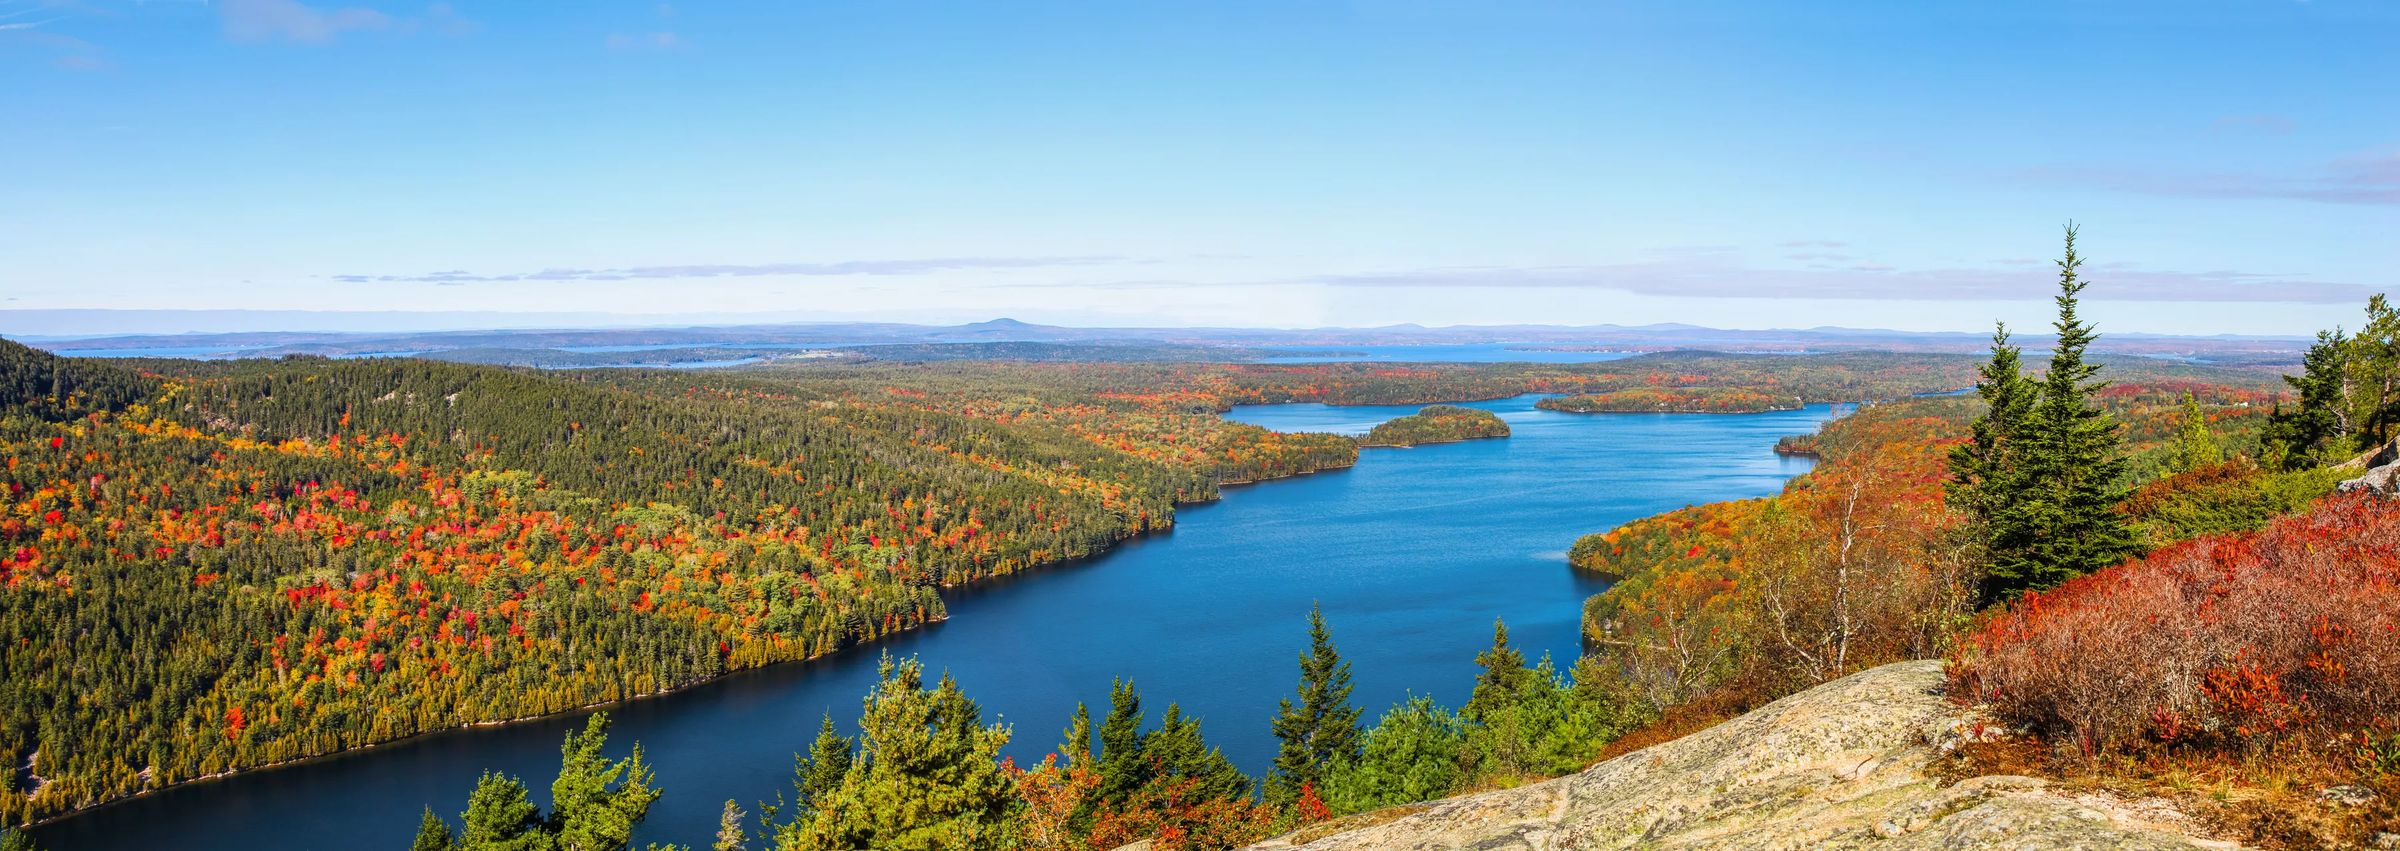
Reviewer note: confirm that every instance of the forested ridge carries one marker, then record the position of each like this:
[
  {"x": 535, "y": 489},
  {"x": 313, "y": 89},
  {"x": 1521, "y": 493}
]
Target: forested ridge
[
  {"x": 219, "y": 565},
  {"x": 1705, "y": 400},
  {"x": 223, "y": 565},
  {"x": 212, "y": 566}
]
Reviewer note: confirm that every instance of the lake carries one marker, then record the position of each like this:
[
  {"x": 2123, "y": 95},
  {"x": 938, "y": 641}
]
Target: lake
[{"x": 1412, "y": 553}]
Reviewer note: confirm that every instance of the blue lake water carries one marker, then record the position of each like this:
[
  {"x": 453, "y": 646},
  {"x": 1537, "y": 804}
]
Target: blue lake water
[{"x": 1412, "y": 553}]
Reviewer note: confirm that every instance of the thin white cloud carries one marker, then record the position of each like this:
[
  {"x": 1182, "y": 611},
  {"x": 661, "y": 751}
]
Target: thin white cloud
[
  {"x": 67, "y": 52},
  {"x": 738, "y": 270},
  {"x": 2371, "y": 178},
  {"x": 2268, "y": 123},
  {"x": 1872, "y": 281},
  {"x": 290, "y": 20},
  {"x": 260, "y": 21},
  {"x": 662, "y": 40}
]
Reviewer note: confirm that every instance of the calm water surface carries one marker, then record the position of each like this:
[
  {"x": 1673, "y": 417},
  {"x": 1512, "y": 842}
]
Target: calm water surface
[{"x": 1413, "y": 553}]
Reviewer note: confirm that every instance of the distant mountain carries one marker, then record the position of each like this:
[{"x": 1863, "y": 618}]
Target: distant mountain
[{"x": 1185, "y": 343}]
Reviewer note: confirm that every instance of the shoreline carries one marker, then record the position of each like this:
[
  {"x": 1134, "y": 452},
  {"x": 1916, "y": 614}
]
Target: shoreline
[
  {"x": 1432, "y": 442},
  {"x": 1014, "y": 575},
  {"x": 1782, "y": 410}
]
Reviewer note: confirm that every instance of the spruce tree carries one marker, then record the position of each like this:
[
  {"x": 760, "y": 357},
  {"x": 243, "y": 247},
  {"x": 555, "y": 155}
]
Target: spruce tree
[
  {"x": 1177, "y": 751},
  {"x": 500, "y": 817},
  {"x": 926, "y": 776},
  {"x": 2372, "y": 379},
  {"x": 596, "y": 801},
  {"x": 596, "y": 804},
  {"x": 2194, "y": 446},
  {"x": 433, "y": 834},
  {"x": 1121, "y": 764},
  {"x": 2069, "y": 459},
  {"x": 822, "y": 769},
  {"x": 2296, "y": 438},
  {"x": 1414, "y": 753},
  {"x": 1503, "y": 681},
  {"x": 1322, "y": 726},
  {"x": 1984, "y": 472},
  {"x": 1075, "y": 746}
]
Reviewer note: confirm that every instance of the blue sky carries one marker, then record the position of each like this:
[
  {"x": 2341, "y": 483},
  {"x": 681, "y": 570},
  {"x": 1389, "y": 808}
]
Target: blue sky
[{"x": 2235, "y": 165}]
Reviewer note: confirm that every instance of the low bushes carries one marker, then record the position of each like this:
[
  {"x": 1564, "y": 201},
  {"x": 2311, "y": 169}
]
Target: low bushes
[{"x": 2289, "y": 635}]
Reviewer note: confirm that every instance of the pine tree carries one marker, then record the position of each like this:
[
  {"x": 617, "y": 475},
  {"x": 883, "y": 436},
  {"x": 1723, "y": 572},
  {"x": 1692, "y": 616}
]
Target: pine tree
[
  {"x": 927, "y": 774},
  {"x": 1503, "y": 681},
  {"x": 822, "y": 770},
  {"x": 12, "y": 839},
  {"x": 1322, "y": 727},
  {"x": 1122, "y": 766},
  {"x": 730, "y": 836},
  {"x": 2372, "y": 374},
  {"x": 1603, "y": 702},
  {"x": 596, "y": 801},
  {"x": 1984, "y": 472},
  {"x": 1075, "y": 747},
  {"x": 1412, "y": 754},
  {"x": 2296, "y": 438},
  {"x": 1177, "y": 751},
  {"x": 500, "y": 817},
  {"x": 2194, "y": 446},
  {"x": 2068, "y": 457},
  {"x": 433, "y": 834}
]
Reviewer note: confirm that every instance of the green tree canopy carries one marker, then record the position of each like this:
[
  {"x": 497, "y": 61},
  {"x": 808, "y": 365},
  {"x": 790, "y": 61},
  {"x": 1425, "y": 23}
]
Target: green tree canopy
[
  {"x": 1321, "y": 727},
  {"x": 926, "y": 776}
]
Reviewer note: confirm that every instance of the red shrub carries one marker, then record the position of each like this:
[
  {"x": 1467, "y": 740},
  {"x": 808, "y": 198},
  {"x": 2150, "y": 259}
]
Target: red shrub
[{"x": 2291, "y": 630}]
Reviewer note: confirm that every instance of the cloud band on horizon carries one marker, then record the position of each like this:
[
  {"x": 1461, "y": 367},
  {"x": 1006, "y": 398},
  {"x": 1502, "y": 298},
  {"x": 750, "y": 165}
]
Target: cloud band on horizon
[
  {"x": 1704, "y": 279},
  {"x": 741, "y": 270}
]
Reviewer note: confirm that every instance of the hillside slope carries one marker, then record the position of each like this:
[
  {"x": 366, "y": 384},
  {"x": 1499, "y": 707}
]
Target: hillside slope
[{"x": 1843, "y": 765}]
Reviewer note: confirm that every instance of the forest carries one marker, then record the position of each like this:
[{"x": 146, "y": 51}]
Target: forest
[
  {"x": 1435, "y": 424},
  {"x": 1871, "y": 557},
  {"x": 213, "y": 566},
  {"x": 208, "y": 566},
  {"x": 2144, "y": 571},
  {"x": 1688, "y": 400}
]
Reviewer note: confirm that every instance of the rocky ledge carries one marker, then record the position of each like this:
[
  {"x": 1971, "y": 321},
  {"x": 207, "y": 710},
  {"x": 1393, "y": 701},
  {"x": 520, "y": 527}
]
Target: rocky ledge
[{"x": 1843, "y": 765}]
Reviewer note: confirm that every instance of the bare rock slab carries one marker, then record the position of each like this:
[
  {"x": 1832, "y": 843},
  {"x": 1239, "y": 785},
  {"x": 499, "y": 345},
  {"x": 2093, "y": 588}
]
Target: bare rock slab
[{"x": 1840, "y": 766}]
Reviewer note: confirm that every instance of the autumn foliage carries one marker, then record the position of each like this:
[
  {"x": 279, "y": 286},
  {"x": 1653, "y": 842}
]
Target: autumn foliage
[
  {"x": 1849, "y": 567},
  {"x": 2290, "y": 634}
]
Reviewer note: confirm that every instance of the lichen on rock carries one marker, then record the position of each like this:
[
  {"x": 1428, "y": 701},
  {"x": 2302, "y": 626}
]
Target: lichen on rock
[{"x": 1840, "y": 766}]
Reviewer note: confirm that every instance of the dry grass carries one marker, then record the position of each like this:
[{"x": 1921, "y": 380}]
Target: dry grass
[
  {"x": 2256, "y": 640},
  {"x": 2269, "y": 800},
  {"x": 2240, "y": 676},
  {"x": 1683, "y": 719},
  {"x": 1361, "y": 821}
]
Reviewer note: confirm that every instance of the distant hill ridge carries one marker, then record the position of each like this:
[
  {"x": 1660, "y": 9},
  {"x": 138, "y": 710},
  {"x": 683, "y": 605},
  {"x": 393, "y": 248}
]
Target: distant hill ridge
[{"x": 637, "y": 331}]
